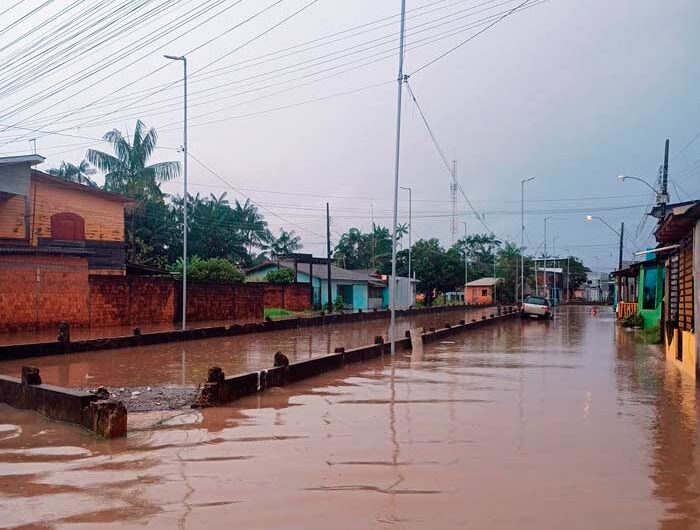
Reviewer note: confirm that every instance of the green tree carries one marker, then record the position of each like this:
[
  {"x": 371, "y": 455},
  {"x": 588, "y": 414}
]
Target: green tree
[
  {"x": 126, "y": 171},
  {"x": 215, "y": 270},
  {"x": 282, "y": 276},
  {"x": 285, "y": 243},
  {"x": 79, "y": 174},
  {"x": 508, "y": 269}
]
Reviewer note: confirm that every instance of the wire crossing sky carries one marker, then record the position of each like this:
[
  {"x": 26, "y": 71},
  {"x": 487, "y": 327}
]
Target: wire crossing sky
[{"x": 292, "y": 105}]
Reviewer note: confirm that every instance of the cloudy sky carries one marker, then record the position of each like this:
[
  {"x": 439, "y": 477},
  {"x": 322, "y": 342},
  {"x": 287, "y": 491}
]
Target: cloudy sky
[{"x": 292, "y": 104}]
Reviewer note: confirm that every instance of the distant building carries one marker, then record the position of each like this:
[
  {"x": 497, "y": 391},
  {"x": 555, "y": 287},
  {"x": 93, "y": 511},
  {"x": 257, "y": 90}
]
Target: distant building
[
  {"x": 597, "y": 287},
  {"x": 481, "y": 291},
  {"x": 551, "y": 283},
  {"x": 359, "y": 289}
]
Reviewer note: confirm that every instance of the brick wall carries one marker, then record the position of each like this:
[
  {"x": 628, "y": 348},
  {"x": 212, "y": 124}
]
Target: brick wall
[
  {"x": 210, "y": 301},
  {"x": 293, "y": 297},
  {"x": 41, "y": 291},
  {"x": 131, "y": 300}
]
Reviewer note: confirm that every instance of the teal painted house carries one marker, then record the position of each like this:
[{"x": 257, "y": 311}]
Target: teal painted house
[
  {"x": 358, "y": 289},
  {"x": 640, "y": 290}
]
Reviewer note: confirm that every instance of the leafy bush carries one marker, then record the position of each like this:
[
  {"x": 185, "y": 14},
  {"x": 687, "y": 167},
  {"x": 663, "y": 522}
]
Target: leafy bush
[
  {"x": 284, "y": 276},
  {"x": 338, "y": 304},
  {"x": 215, "y": 270},
  {"x": 633, "y": 321}
]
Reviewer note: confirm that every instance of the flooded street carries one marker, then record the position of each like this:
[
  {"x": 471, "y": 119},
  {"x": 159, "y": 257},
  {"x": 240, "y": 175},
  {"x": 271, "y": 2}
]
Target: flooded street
[
  {"x": 186, "y": 363},
  {"x": 520, "y": 425}
]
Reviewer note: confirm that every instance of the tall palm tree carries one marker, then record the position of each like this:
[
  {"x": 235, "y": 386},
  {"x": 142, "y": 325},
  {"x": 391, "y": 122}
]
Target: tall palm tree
[
  {"x": 72, "y": 173},
  {"x": 126, "y": 171},
  {"x": 252, "y": 224},
  {"x": 285, "y": 243}
]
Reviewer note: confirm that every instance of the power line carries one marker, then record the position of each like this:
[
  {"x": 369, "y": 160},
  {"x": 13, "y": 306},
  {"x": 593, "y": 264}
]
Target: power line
[{"x": 489, "y": 26}]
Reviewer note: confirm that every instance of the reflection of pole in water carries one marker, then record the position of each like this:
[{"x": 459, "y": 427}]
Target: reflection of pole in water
[{"x": 183, "y": 361}]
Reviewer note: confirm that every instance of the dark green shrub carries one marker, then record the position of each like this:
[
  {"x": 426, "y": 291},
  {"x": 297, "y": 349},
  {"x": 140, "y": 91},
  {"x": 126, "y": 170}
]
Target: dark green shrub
[
  {"x": 283, "y": 276},
  {"x": 215, "y": 270}
]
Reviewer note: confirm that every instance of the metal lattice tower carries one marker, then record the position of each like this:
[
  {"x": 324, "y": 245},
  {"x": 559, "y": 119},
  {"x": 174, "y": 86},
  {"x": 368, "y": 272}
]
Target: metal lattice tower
[{"x": 453, "y": 198}]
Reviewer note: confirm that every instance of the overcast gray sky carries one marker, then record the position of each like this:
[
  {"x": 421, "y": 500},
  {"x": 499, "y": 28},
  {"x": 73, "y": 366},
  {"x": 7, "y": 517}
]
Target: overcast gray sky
[{"x": 572, "y": 92}]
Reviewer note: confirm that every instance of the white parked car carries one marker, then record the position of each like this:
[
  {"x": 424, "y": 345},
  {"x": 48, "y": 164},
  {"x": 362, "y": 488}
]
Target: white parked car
[{"x": 536, "y": 307}]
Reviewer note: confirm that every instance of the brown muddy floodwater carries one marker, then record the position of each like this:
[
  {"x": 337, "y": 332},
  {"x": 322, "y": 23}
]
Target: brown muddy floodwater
[
  {"x": 568, "y": 424},
  {"x": 187, "y": 362}
]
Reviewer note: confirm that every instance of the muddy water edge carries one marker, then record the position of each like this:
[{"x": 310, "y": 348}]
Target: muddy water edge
[{"x": 526, "y": 425}]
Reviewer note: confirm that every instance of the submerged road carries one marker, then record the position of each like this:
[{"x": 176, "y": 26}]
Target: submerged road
[
  {"x": 525, "y": 425},
  {"x": 187, "y": 362}
]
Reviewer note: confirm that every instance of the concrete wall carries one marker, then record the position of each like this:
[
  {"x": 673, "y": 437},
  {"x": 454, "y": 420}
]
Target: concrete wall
[
  {"x": 213, "y": 301},
  {"x": 41, "y": 291},
  {"x": 131, "y": 300},
  {"x": 104, "y": 218},
  {"x": 293, "y": 297}
]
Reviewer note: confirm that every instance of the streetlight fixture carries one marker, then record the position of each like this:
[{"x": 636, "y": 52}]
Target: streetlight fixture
[
  {"x": 184, "y": 210},
  {"x": 522, "y": 237},
  {"x": 661, "y": 197},
  {"x": 410, "y": 228},
  {"x": 620, "y": 234}
]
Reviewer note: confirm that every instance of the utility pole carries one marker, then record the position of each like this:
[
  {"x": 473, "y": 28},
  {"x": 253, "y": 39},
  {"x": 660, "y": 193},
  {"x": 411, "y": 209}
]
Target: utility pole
[
  {"x": 466, "y": 261},
  {"x": 399, "y": 81},
  {"x": 410, "y": 229},
  {"x": 493, "y": 251},
  {"x": 184, "y": 209},
  {"x": 544, "y": 266},
  {"x": 664, "y": 176},
  {"x": 328, "y": 245},
  {"x": 522, "y": 239},
  {"x": 453, "y": 199},
  {"x": 622, "y": 235},
  {"x": 568, "y": 277}
]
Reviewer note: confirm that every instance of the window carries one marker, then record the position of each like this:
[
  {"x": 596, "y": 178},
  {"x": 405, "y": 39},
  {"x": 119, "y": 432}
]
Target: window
[
  {"x": 484, "y": 292},
  {"x": 649, "y": 293},
  {"x": 67, "y": 226}
]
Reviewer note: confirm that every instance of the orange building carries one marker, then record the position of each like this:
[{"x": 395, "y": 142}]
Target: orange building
[
  {"x": 481, "y": 291},
  {"x": 53, "y": 234}
]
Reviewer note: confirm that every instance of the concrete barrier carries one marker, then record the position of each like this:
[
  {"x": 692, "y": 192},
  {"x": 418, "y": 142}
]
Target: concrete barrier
[
  {"x": 22, "y": 351},
  {"x": 231, "y": 388},
  {"x": 104, "y": 418}
]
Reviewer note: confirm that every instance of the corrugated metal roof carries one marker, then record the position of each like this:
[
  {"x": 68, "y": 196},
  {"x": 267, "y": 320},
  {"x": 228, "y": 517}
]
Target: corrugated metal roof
[{"x": 484, "y": 282}]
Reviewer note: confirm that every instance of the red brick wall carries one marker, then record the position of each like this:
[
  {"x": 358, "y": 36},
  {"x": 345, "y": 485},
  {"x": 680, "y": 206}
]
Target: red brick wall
[
  {"x": 131, "y": 300},
  {"x": 294, "y": 297},
  {"x": 210, "y": 301},
  {"x": 41, "y": 291}
]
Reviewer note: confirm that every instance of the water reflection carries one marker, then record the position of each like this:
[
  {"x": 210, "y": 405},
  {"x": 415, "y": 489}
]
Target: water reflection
[{"x": 565, "y": 424}]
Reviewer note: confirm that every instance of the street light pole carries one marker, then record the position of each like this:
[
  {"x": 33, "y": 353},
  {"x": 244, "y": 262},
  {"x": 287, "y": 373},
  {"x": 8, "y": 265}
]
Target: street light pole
[
  {"x": 522, "y": 238},
  {"x": 410, "y": 228},
  {"x": 466, "y": 262},
  {"x": 184, "y": 209},
  {"x": 400, "y": 81},
  {"x": 620, "y": 234}
]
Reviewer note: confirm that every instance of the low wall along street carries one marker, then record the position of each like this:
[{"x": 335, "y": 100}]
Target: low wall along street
[
  {"x": 108, "y": 418},
  {"x": 220, "y": 389},
  {"x": 293, "y": 297},
  {"x": 37, "y": 349}
]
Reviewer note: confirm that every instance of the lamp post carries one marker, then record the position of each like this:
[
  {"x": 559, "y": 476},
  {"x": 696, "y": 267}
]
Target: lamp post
[
  {"x": 544, "y": 266},
  {"x": 184, "y": 209},
  {"x": 522, "y": 237},
  {"x": 400, "y": 80},
  {"x": 661, "y": 196},
  {"x": 620, "y": 234},
  {"x": 410, "y": 227}
]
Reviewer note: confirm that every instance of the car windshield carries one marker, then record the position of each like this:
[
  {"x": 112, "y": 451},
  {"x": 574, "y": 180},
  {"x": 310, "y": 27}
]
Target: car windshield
[{"x": 536, "y": 300}]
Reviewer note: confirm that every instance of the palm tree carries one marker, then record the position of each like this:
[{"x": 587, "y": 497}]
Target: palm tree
[
  {"x": 72, "y": 173},
  {"x": 252, "y": 224},
  {"x": 285, "y": 243},
  {"x": 126, "y": 171}
]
